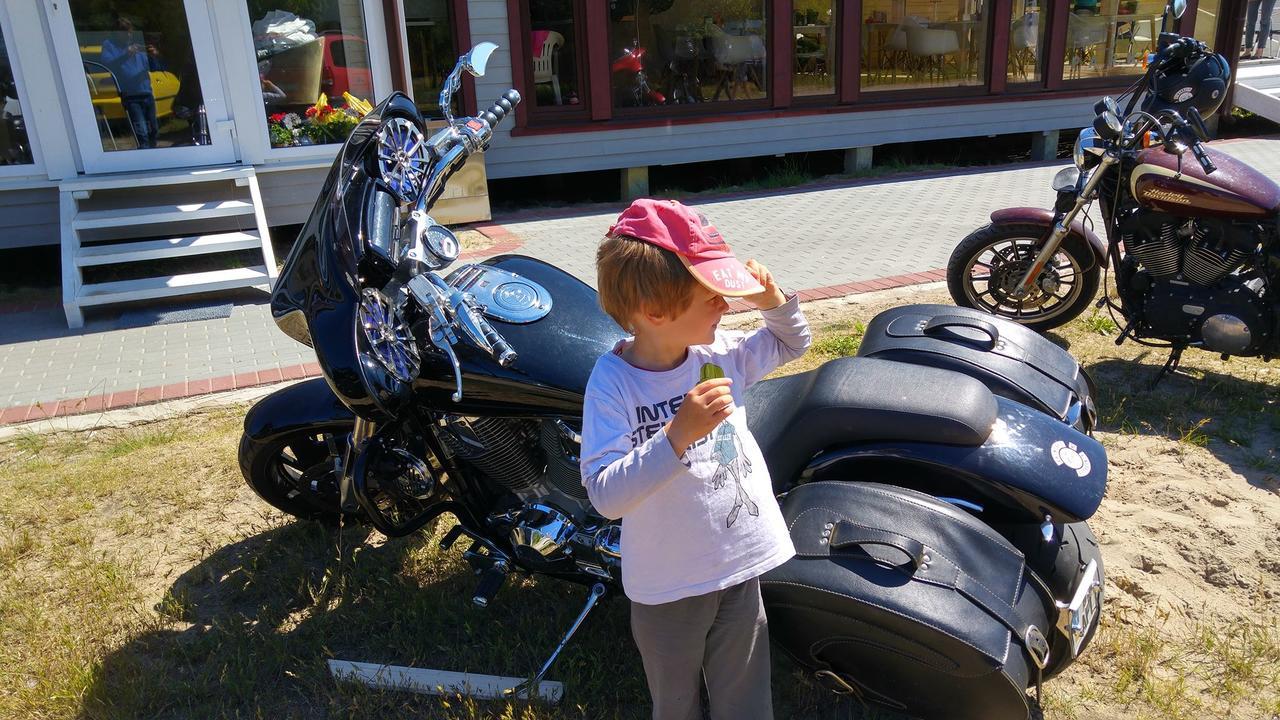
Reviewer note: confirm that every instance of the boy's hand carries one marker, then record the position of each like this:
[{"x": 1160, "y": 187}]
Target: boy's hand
[
  {"x": 772, "y": 296},
  {"x": 704, "y": 407}
]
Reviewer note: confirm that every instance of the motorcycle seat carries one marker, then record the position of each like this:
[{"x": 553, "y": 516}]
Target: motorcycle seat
[{"x": 850, "y": 400}]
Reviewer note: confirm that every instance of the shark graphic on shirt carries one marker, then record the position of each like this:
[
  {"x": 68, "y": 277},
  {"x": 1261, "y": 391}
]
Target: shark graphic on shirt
[{"x": 732, "y": 463}]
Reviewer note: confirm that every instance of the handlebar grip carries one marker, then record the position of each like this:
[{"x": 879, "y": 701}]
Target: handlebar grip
[
  {"x": 501, "y": 108},
  {"x": 502, "y": 351},
  {"x": 1203, "y": 157}
]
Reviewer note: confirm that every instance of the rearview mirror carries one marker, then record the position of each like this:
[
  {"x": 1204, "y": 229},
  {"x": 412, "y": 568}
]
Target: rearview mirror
[
  {"x": 1179, "y": 7},
  {"x": 474, "y": 62}
]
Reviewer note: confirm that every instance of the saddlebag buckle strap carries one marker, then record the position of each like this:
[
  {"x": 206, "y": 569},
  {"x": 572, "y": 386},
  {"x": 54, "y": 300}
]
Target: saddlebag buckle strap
[
  {"x": 1037, "y": 646},
  {"x": 844, "y": 534}
]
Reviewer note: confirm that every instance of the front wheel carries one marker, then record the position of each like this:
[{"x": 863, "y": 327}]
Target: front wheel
[
  {"x": 986, "y": 267},
  {"x": 297, "y": 471}
]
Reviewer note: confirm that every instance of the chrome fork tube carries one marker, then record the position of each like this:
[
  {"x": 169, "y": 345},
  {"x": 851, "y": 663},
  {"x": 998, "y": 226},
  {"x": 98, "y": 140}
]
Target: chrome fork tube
[
  {"x": 1062, "y": 227},
  {"x": 360, "y": 434}
]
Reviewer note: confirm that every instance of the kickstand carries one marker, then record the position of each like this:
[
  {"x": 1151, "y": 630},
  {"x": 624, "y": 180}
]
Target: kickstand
[
  {"x": 1170, "y": 366},
  {"x": 526, "y": 689}
]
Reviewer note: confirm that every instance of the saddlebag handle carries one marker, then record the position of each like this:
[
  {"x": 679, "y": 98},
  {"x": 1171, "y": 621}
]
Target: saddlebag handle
[
  {"x": 844, "y": 534},
  {"x": 940, "y": 322}
]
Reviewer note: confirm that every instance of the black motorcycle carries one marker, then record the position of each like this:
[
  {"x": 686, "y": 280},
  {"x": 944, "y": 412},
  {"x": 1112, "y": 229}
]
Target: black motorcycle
[
  {"x": 463, "y": 394},
  {"x": 1194, "y": 245}
]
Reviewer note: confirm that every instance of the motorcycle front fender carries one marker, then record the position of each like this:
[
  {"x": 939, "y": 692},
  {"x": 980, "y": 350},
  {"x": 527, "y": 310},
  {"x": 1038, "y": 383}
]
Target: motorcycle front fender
[
  {"x": 305, "y": 404},
  {"x": 1030, "y": 466},
  {"x": 1082, "y": 242}
]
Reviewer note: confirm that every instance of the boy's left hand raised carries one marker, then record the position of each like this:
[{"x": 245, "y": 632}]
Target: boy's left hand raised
[{"x": 772, "y": 296}]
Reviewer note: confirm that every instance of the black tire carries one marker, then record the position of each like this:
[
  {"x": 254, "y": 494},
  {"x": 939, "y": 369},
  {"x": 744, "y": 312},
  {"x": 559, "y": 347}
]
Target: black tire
[
  {"x": 1060, "y": 569},
  {"x": 273, "y": 467},
  {"x": 1006, "y": 250}
]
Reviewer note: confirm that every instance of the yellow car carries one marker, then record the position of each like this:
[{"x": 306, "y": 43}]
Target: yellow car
[{"x": 105, "y": 95}]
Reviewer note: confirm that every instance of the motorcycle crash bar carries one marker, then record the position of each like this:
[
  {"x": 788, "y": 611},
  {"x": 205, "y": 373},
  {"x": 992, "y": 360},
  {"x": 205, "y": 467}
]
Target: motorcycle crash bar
[{"x": 439, "y": 682}]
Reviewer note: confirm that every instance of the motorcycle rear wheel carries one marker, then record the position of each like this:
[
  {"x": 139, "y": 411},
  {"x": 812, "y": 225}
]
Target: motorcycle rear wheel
[
  {"x": 282, "y": 470},
  {"x": 1005, "y": 252}
]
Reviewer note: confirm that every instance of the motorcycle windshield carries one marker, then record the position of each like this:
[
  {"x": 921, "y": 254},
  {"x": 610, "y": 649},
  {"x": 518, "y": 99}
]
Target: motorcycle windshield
[{"x": 317, "y": 296}]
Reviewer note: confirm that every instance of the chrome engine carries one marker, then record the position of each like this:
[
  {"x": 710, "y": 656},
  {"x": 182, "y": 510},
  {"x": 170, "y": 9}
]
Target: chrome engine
[
  {"x": 1190, "y": 280},
  {"x": 553, "y": 525}
]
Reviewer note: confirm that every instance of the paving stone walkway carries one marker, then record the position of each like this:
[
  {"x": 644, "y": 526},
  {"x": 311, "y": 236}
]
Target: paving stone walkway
[{"x": 826, "y": 240}]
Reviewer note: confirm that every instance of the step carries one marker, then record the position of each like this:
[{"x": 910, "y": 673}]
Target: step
[
  {"x": 118, "y": 217},
  {"x": 89, "y": 255},
  {"x": 152, "y": 178},
  {"x": 157, "y": 287}
]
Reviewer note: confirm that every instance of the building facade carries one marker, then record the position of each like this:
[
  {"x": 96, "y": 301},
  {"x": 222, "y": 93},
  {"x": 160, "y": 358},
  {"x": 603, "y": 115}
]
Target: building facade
[{"x": 104, "y": 88}]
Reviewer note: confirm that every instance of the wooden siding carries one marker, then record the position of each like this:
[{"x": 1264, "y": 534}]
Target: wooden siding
[
  {"x": 30, "y": 217},
  {"x": 674, "y": 144}
]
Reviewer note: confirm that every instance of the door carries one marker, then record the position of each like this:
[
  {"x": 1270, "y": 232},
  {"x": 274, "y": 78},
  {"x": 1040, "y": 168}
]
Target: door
[{"x": 143, "y": 83}]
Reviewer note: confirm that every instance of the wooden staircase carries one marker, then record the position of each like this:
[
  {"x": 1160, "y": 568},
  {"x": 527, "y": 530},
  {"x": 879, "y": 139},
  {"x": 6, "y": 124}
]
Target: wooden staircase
[{"x": 111, "y": 223}]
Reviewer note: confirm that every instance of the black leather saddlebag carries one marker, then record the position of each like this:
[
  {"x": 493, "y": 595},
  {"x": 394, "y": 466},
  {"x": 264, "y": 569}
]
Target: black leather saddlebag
[
  {"x": 1011, "y": 360},
  {"x": 903, "y": 600}
]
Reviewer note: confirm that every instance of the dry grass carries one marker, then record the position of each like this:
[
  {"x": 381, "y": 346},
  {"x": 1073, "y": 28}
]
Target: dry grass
[{"x": 139, "y": 577}]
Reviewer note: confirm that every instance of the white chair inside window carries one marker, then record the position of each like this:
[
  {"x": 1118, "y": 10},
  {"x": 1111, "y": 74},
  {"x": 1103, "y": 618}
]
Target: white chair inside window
[
  {"x": 1024, "y": 35},
  {"x": 930, "y": 47},
  {"x": 894, "y": 51},
  {"x": 1140, "y": 36},
  {"x": 546, "y": 63},
  {"x": 1084, "y": 34}
]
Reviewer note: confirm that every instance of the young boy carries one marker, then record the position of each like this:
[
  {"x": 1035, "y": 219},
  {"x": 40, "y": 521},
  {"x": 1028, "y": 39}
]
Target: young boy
[{"x": 665, "y": 447}]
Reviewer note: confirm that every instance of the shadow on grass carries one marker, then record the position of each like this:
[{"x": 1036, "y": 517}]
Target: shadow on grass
[
  {"x": 247, "y": 631},
  {"x": 1234, "y": 415}
]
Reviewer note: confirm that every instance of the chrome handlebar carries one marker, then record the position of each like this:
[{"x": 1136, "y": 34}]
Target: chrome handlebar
[{"x": 447, "y": 307}]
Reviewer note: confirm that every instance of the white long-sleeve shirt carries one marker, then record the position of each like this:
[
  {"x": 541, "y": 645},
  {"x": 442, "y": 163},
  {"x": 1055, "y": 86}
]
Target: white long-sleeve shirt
[{"x": 705, "y": 521}]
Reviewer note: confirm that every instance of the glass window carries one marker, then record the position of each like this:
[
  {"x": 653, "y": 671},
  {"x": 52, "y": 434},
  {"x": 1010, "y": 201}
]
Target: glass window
[
  {"x": 687, "y": 51},
  {"x": 313, "y": 68},
  {"x": 141, "y": 73},
  {"x": 428, "y": 26},
  {"x": 553, "y": 53},
  {"x": 1026, "y": 41},
  {"x": 14, "y": 148},
  {"x": 814, "y": 34},
  {"x": 1207, "y": 13},
  {"x": 1110, "y": 37},
  {"x": 923, "y": 43}
]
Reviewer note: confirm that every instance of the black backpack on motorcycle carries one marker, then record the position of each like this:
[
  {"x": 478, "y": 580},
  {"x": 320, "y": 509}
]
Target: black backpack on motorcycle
[
  {"x": 1013, "y": 361},
  {"x": 903, "y": 600}
]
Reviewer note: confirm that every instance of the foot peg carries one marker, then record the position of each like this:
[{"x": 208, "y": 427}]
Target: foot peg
[{"x": 492, "y": 579}]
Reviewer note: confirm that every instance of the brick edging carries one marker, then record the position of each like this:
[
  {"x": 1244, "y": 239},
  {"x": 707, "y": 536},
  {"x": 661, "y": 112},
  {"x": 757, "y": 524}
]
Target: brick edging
[{"x": 254, "y": 378}]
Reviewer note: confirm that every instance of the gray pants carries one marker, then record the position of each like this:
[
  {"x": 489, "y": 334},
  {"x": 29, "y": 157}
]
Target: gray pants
[{"x": 722, "y": 636}]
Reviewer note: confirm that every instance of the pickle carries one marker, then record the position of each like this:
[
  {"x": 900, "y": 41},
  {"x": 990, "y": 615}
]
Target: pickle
[{"x": 710, "y": 371}]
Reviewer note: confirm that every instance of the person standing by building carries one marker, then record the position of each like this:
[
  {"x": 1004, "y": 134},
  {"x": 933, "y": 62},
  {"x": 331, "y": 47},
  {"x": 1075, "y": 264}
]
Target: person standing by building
[
  {"x": 131, "y": 61},
  {"x": 1257, "y": 48}
]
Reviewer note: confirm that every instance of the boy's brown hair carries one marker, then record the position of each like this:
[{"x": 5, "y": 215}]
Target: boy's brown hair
[{"x": 635, "y": 276}]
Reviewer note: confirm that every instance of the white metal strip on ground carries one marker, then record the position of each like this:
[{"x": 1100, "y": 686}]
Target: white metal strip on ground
[{"x": 436, "y": 682}]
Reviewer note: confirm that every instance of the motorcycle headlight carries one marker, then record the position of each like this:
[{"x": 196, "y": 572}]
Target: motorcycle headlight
[{"x": 1088, "y": 149}]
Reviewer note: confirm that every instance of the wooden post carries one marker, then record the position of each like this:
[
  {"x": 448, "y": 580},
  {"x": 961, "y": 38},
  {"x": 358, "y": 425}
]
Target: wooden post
[
  {"x": 635, "y": 182},
  {"x": 1044, "y": 145},
  {"x": 857, "y": 159}
]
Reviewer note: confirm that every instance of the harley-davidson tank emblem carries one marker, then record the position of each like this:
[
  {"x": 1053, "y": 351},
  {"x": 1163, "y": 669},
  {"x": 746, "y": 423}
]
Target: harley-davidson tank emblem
[{"x": 1166, "y": 196}]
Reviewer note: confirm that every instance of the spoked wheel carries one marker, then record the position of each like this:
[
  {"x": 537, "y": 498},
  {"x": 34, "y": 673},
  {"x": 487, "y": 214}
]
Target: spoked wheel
[
  {"x": 986, "y": 267},
  {"x": 296, "y": 472}
]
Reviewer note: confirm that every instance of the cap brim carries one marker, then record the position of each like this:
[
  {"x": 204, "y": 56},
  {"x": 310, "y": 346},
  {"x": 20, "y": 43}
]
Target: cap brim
[{"x": 725, "y": 276}]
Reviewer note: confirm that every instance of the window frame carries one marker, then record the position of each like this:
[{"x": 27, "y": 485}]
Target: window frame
[
  {"x": 531, "y": 112},
  {"x": 35, "y": 168}
]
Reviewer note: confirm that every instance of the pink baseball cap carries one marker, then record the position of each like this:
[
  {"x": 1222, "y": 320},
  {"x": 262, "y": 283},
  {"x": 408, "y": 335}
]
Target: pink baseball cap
[{"x": 687, "y": 233}]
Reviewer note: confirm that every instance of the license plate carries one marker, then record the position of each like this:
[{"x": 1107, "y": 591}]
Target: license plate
[{"x": 1076, "y": 617}]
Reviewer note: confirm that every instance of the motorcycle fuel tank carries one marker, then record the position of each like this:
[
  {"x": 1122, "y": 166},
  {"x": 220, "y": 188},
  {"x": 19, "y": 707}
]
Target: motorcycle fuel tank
[
  {"x": 1234, "y": 192},
  {"x": 556, "y": 352}
]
